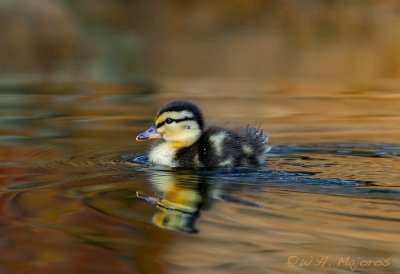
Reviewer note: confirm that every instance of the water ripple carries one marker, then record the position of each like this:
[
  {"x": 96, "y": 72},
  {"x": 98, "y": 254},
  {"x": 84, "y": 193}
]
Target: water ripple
[
  {"x": 304, "y": 178},
  {"x": 359, "y": 150}
]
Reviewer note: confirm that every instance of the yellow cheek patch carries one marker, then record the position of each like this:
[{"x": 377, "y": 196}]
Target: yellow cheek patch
[
  {"x": 189, "y": 125},
  {"x": 161, "y": 129},
  {"x": 176, "y": 115}
]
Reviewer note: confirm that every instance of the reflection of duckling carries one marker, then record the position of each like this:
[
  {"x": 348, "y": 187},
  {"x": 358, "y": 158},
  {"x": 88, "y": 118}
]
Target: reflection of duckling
[
  {"x": 182, "y": 195},
  {"x": 172, "y": 216},
  {"x": 187, "y": 144},
  {"x": 180, "y": 198}
]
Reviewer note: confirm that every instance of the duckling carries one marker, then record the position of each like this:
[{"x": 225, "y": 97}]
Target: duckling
[{"x": 187, "y": 143}]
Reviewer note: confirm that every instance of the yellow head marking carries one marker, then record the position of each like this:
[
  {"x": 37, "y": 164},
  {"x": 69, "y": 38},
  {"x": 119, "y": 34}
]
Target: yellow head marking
[{"x": 181, "y": 132}]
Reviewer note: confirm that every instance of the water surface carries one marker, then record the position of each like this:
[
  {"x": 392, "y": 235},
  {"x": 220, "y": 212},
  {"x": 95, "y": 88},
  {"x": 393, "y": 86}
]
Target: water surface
[{"x": 78, "y": 196}]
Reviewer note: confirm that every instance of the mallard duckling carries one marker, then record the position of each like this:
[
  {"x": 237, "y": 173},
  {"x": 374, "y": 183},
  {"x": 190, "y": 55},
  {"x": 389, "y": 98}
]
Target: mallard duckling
[{"x": 187, "y": 143}]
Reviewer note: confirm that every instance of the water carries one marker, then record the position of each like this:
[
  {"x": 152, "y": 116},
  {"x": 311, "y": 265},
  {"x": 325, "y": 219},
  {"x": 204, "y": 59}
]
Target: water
[{"x": 78, "y": 196}]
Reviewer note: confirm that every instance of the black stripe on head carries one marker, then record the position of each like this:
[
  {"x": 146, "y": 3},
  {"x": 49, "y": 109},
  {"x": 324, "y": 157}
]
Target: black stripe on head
[
  {"x": 181, "y": 106},
  {"x": 175, "y": 120}
]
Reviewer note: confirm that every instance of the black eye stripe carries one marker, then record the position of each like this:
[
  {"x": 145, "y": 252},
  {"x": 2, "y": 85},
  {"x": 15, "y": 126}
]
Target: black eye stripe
[{"x": 173, "y": 120}]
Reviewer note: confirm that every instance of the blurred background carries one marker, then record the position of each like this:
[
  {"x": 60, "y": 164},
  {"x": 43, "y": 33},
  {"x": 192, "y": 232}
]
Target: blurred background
[
  {"x": 178, "y": 39},
  {"x": 79, "y": 79}
]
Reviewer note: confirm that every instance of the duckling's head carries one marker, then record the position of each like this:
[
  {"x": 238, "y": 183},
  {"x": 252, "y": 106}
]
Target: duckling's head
[{"x": 179, "y": 123}]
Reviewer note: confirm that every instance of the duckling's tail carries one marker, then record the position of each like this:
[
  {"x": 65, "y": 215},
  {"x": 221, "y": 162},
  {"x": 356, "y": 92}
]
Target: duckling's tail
[{"x": 256, "y": 144}]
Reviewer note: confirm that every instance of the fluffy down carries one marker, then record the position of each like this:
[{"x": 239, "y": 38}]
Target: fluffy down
[{"x": 187, "y": 143}]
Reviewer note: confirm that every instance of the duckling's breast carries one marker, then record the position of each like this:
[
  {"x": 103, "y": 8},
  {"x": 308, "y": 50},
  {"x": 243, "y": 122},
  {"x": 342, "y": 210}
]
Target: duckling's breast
[{"x": 163, "y": 154}]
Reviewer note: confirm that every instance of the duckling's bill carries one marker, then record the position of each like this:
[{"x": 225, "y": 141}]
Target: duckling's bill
[{"x": 150, "y": 133}]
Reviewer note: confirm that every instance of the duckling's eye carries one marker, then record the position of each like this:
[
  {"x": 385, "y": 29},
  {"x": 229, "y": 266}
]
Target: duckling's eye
[
  {"x": 169, "y": 120},
  {"x": 165, "y": 221}
]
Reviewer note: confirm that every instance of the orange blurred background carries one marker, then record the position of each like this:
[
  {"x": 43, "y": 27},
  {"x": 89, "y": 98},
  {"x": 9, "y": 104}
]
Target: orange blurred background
[{"x": 123, "y": 39}]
